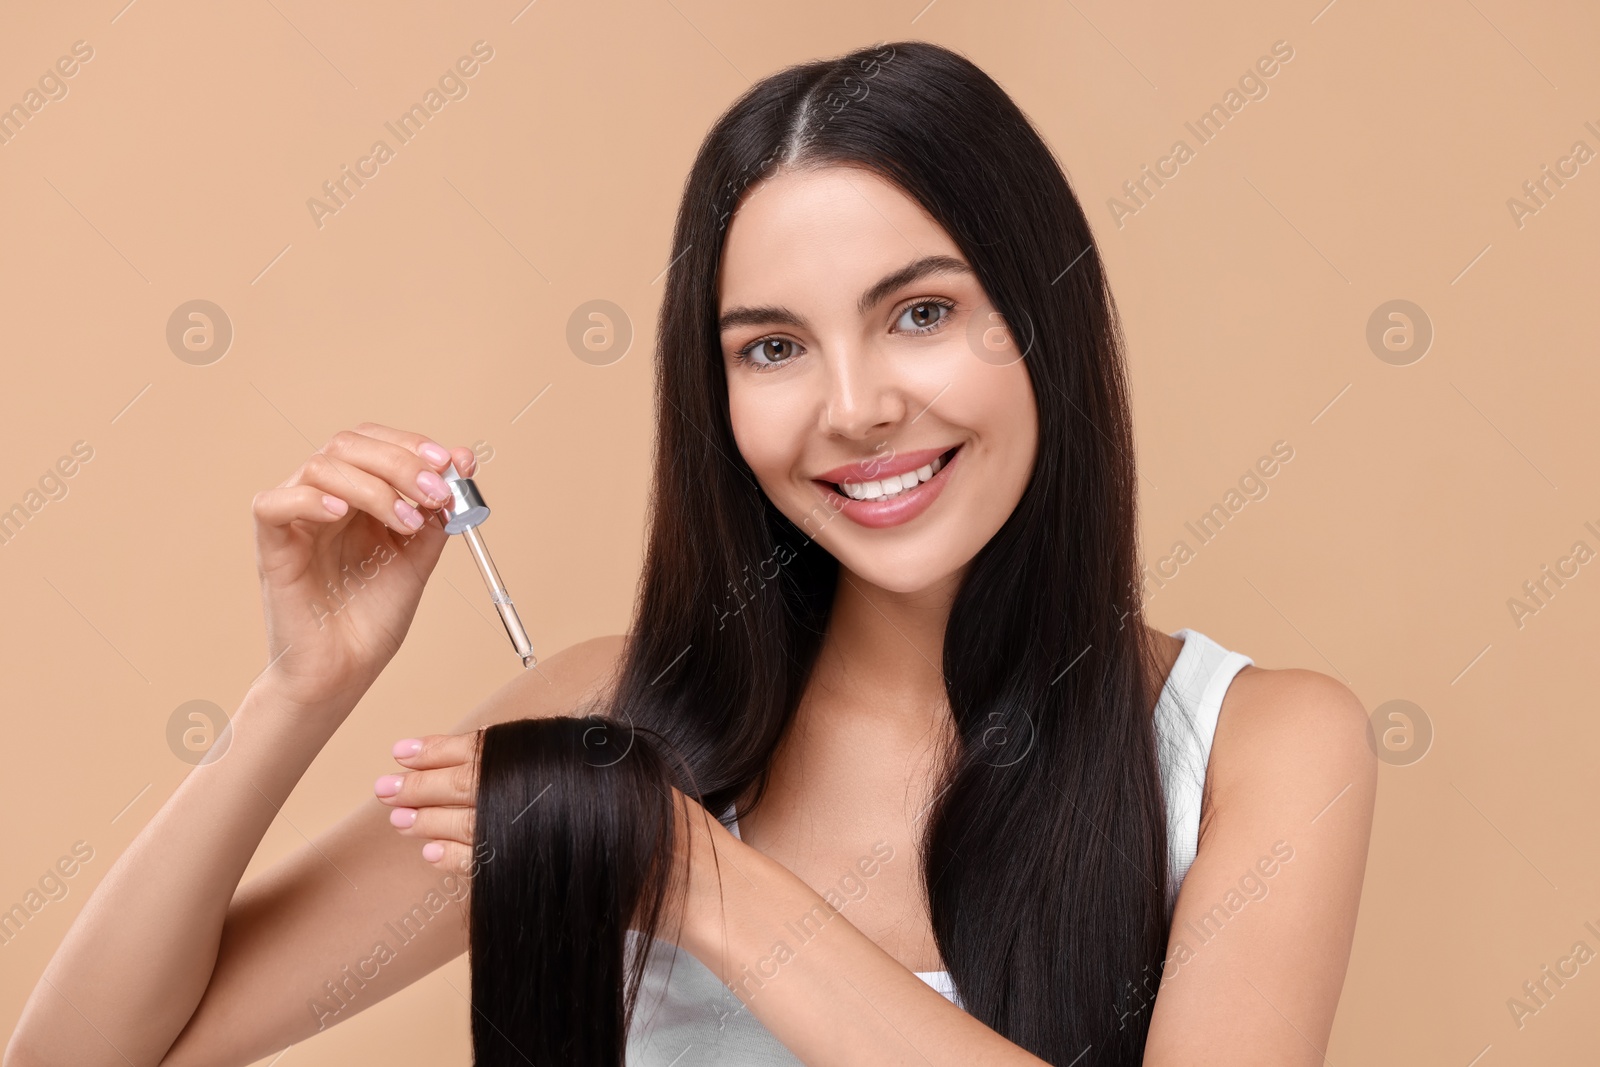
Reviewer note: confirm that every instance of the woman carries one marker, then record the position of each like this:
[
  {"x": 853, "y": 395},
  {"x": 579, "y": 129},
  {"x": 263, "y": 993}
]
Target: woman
[{"x": 889, "y": 616}]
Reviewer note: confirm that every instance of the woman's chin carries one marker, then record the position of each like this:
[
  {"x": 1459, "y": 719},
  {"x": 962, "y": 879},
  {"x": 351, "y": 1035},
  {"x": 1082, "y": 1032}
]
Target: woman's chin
[{"x": 904, "y": 577}]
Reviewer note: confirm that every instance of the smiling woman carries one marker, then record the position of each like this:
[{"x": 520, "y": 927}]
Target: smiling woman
[
  {"x": 891, "y": 390},
  {"x": 954, "y": 661}
]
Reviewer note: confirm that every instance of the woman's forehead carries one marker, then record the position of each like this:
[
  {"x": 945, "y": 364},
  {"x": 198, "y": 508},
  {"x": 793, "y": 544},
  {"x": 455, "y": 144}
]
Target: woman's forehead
[{"x": 830, "y": 230}]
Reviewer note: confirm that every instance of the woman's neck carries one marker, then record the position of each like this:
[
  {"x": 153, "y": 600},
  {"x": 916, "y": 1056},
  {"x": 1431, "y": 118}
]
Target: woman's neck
[{"x": 884, "y": 651}]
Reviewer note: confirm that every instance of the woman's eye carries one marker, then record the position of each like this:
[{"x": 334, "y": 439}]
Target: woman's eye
[
  {"x": 924, "y": 315},
  {"x": 766, "y": 352}
]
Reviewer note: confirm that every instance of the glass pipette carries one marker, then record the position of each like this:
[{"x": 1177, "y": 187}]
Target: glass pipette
[{"x": 463, "y": 515}]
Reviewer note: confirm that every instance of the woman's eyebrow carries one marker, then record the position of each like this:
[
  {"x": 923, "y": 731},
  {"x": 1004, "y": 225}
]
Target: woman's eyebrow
[{"x": 924, "y": 267}]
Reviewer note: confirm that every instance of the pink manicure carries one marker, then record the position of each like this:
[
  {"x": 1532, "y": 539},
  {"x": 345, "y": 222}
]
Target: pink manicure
[
  {"x": 388, "y": 785},
  {"x": 434, "y": 453},
  {"x": 433, "y": 852},
  {"x": 432, "y": 486},
  {"x": 403, "y": 818},
  {"x": 409, "y": 747},
  {"x": 409, "y": 515}
]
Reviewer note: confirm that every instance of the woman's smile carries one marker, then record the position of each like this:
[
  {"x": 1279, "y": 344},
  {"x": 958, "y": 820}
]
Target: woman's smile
[{"x": 899, "y": 491}]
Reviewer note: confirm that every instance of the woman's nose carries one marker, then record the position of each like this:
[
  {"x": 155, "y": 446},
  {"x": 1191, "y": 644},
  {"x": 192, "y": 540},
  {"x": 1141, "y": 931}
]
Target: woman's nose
[{"x": 862, "y": 395}]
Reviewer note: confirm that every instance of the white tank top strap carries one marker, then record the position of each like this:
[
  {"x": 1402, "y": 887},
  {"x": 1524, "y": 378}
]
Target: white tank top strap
[{"x": 1186, "y": 716}]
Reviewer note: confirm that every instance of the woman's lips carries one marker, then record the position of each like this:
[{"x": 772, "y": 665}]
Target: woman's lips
[{"x": 901, "y": 508}]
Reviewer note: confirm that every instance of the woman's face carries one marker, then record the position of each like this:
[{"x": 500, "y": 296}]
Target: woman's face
[{"x": 845, "y": 366}]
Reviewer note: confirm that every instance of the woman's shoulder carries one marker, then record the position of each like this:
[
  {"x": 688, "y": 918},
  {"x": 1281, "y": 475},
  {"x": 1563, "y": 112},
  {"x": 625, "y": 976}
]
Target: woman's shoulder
[
  {"x": 1274, "y": 706},
  {"x": 1292, "y": 738}
]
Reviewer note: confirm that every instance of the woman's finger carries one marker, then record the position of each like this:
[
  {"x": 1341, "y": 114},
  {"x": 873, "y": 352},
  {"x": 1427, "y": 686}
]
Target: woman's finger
[
  {"x": 437, "y": 456},
  {"x": 439, "y": 823},
  {"x": 442, "y": 787},
  {"x": 282, "y": 505},
  {"x": 367, "y": 491},
  {"x": 406, "y": 471},
  {"x": 451, "y": 855},
  {"x": 436, "y": 750}
]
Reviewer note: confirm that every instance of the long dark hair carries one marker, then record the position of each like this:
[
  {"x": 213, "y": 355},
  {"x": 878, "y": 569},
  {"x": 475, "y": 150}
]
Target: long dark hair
[
  {"x": 1044, "y": 854},
  {"x": 573, "y": 846}
]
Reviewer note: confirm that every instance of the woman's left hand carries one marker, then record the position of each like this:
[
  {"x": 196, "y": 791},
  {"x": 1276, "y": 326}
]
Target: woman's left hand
[
  {"x": 435, "y": 801},
  {"x": 436, "y": 797}
]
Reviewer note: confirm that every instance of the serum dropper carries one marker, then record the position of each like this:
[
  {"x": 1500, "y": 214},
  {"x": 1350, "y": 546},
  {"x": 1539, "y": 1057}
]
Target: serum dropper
[{"x": 463, "y": 515}]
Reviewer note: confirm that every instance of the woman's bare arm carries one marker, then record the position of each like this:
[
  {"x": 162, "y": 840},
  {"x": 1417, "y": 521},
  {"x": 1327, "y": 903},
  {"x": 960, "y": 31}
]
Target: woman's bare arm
[
  {"x": 1263, "y": 926},
  {"x": 166, "y": 944},
  {"x": 137, "y": 961}
]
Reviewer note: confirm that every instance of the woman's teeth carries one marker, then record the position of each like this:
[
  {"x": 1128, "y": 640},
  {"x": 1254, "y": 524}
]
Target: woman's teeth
[{"x": 893, "y": 486}]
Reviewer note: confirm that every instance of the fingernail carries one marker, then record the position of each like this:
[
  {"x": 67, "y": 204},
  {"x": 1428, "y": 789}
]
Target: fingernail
[
  {"x": 409, "y": 747},
  {"x": 433, "y": 852},
  {"x": 408, "y": 514},
  {"x": 388, "y": 785},
  {"x": 432, "y": 486},
  {"x": 433, "y": 453},
  {"x": 403, "y": 818}
]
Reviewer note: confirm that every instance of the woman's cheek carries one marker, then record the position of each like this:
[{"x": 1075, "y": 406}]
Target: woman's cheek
[{"x": 761, "y": 430}]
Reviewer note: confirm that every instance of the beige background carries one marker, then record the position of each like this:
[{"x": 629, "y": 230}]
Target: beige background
[{"x": 1378, "y": 167}]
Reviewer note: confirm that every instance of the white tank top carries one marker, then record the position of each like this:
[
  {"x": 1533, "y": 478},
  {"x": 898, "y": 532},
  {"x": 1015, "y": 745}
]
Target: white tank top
[{"x": 686, "y": 1017}]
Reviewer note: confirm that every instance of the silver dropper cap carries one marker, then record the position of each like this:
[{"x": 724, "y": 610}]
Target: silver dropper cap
[{"x": 466, "y": 508}]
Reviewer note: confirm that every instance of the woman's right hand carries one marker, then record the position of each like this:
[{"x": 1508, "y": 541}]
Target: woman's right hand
[{"x": 341, "y": 568}]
